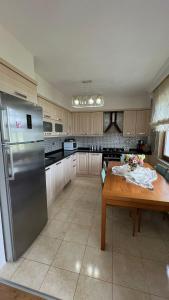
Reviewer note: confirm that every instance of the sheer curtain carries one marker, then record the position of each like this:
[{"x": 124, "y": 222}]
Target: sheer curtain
[{"x": 160, "y": 110}]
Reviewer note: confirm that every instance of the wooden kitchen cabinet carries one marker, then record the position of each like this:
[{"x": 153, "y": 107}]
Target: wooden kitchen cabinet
[
  {"x": 136, "y": 123},
  {"x": 67, "y": 163},
  {"x": 129, "y": 123},
  {"x": 95, "y": 163},
  {"x": 58, "y": 177},
  {"x": 82, "y": 163},
  {"x": 15, "y": 83},
  {"x": 97, "y": 123},
  {"x": 49, "y": 191},
  {"x": 142, "y": 122}
]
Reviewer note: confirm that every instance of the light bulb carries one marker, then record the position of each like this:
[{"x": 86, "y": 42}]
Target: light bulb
[
  {"x": 76, "y": 102},
  {"x": 91, "y": 101},
  {"x": 98, "y": 100}
]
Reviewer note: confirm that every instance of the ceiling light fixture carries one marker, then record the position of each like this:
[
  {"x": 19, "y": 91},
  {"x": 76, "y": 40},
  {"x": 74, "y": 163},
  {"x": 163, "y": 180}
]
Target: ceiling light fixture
[{"x": 87, "y": 100}]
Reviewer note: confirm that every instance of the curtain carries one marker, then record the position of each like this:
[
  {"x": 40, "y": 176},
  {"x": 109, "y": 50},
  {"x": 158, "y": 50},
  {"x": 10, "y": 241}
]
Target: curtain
[{"x": 160, "y": 109}]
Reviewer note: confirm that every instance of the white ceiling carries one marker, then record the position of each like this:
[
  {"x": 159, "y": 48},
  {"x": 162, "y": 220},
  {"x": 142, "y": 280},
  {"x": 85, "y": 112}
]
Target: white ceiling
[{"x": 119, "y": 44}]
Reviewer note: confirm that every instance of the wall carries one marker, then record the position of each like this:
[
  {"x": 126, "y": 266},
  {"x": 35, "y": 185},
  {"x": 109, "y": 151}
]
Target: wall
[
  {"x": 106, "y": 141},
  {"x": 13, "y": 52},
  {"x": 49, "y": 91}
]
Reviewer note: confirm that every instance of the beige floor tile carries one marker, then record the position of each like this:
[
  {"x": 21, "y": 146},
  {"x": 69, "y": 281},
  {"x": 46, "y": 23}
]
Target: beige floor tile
[
  {"x": 44, "y": 249},
  {"x": 77, "y": 233},
  {"x": 128, "y": 271},
  {"x": 153, "y": 248},
  {"x": 123, "y": 293},
  {"x": 60, "y": 283},
  {"x": 97, "y": 264},
  {"x": 63, "y": 214},
  {"x": 94, "y": 239},
  {"x": 150, "y": 229},
  {"x": 7, "y": 270},
  {"x": 56, "y": 229},
  {"x": 152, "y": 297},
  {"x": 85, "y": 204},
  {"x": 69, "y": 256},
  {"x": 157, "y": 277},
  {"x": 30, "y": 274},
  {"x": 81, "y": 217},
  {"x": 93, "y": 289},
  {"x": 126, "y": 244}
]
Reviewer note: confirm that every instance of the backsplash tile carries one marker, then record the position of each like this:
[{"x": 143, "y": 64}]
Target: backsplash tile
[{"x": 107, "y": 140}]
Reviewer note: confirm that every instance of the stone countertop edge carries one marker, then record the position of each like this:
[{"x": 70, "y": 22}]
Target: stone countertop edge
[{"x": 63, "y": 154}]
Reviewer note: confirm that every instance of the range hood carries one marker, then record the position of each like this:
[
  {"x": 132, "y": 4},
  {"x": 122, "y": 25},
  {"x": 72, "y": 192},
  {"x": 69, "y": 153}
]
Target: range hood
[{"x": 113, "y": 122}]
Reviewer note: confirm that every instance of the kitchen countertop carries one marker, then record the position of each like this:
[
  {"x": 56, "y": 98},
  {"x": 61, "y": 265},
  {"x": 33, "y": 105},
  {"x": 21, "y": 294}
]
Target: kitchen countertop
[{"x": 56, "y": 156}]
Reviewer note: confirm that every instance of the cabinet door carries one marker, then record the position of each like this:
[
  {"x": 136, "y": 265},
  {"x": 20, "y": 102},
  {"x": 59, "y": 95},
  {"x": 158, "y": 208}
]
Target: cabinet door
[
  {"x": 48, "y": 186},
  {"x": 82, "y": 164},
  {"x": 15, "y": 84},
  {"x": 76, "y": 123},
  {"x": 97, "y": 123},
  {"x": 58, "y": 178},
  {"x": 95, "y": 163},
  {"x": 67, "y": 169},
  {"x": 142, "y": 122},
  {"x": 129, "y": 124}
]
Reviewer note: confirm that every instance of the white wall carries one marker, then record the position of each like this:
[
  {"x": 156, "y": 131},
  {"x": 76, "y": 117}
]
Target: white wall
[
  {"x": 49, "y": 91},
  {"x": 13, "y": 52}
]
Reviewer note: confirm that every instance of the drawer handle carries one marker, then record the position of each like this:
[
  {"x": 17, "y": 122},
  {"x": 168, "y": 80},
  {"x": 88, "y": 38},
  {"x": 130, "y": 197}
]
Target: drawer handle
[
  {"x": 141, "y": 132},
  {"x": 58, "y": 163},
  {"x": 47, "y": 169},
  {"x": 20, "y": 95}
]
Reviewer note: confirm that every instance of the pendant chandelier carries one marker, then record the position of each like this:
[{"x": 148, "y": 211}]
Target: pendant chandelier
[{"x": 87, "y": 100}]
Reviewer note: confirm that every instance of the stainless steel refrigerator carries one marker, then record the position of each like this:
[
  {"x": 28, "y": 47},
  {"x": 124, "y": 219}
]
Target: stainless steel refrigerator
[{"x": 22, "y": 174}]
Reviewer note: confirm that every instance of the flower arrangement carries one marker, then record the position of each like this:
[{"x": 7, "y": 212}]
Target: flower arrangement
[{"x": 134, "y": 160}]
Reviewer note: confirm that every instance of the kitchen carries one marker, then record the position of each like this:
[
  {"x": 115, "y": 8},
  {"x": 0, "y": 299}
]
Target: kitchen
[{"x": 67, "y": 120}]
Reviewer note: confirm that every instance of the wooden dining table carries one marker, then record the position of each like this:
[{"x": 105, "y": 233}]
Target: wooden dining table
[{"x": 118, "y": 192}]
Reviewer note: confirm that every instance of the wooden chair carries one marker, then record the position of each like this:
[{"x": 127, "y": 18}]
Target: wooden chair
[{"x": 161, "y": 169}]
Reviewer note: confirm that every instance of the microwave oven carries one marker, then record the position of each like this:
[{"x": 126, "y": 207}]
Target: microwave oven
[
  {"x": 47, "y": 127},
  {"x": 70, "y": 145}
]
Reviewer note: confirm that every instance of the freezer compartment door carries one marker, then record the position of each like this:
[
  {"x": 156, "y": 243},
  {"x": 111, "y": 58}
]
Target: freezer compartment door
[
  {"x": 26, "y": 194},
  {"x": 21, "y": 121}
]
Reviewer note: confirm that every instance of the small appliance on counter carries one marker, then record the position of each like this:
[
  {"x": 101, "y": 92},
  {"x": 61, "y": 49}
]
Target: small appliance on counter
[
  {"x": 140, "y": 145},
  {"x": 69, "y": 144}
]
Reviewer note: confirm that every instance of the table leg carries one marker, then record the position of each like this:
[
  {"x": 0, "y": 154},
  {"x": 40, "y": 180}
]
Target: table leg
[{"x": 103, "y": 224}]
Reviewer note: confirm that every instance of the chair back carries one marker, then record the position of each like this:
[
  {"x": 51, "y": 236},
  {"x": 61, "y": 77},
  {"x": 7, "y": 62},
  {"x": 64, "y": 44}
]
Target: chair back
[
  {"x": 103, "y": 176},
  {"x": 167, "y": 176},
  {"x": 161, "y": 169}
]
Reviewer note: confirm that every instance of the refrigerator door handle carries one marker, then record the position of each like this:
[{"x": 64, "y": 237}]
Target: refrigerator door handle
[
  {"x": 5, "y": 125},
  {"x": 10, "y": 170}
]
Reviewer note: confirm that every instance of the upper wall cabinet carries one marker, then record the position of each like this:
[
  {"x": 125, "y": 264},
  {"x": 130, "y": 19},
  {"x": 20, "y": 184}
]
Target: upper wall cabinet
[
  {"x": 15, "y": 83},
  {"x": 87, "y": 123},
  {"x": 136, "y": 123}
]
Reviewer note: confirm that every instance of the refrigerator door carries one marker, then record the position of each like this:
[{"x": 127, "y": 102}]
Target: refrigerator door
[
  {"x": 26, "y": 193},
  {"x": 21, "y": 121}
]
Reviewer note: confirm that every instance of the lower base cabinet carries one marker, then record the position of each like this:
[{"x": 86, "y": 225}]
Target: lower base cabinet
[
  {"x": 60, "y": 173},
  {"x": 89, "y": 163}
]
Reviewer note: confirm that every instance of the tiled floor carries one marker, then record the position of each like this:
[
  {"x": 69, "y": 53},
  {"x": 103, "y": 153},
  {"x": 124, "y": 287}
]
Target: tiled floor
[{"x": 66, "y": 261}]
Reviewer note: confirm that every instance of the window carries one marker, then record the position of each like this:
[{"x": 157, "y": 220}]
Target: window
[{"x": 166, "y": 146}]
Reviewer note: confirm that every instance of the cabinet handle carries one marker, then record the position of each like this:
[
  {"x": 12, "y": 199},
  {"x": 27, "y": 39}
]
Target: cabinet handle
[
  {"x": 58, "y": 163},
  {"x": 47, "y": 169},
  {"x": 142, "y": 133},
  {"x": 20, "y": 95},
  {"x": 74, "y": 166},
  {"x": 74, "y": 159}
]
